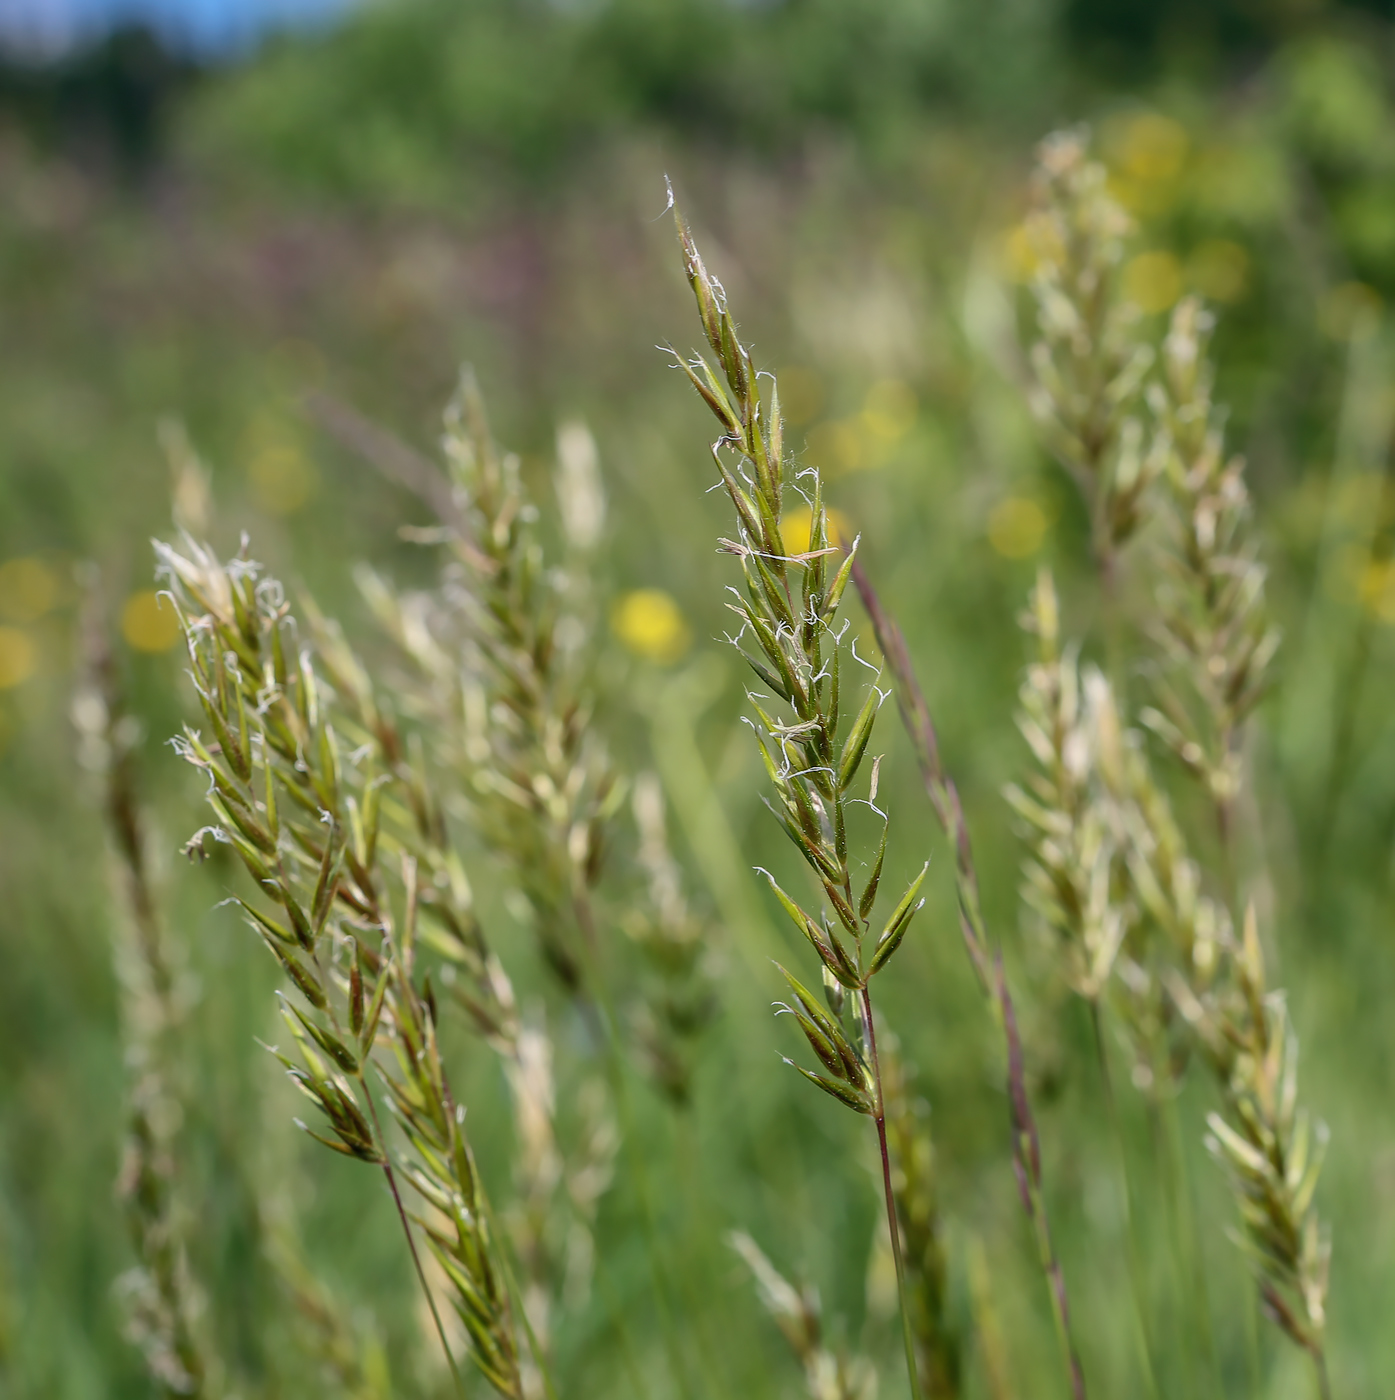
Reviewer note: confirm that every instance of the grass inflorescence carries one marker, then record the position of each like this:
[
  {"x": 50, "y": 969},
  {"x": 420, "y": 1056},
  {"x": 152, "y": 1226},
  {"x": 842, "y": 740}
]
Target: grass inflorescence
[
  {"x": 1148, "y": 908},
  {"x": 361, "y": 798}
]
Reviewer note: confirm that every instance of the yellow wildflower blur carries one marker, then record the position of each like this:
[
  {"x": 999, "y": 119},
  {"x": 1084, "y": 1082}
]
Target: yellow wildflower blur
[
  {"x": 1029, "y": 245},
  {"x": 1219, "y": 270},
  {"x": 283, "y": 478},
  {"x": 19, "y": 658},
  {"x": 1018, "y": 254},
  {"x": 1147, "y": 153},
  {"x": 1350, "y": 312},
  {"x": 1377, "y": 589},
  {"x": 651, "y": 624},
  {"x": 795, "y": 527},
  {"x": 1016, "y": 527},
  {"x": 837, "y": 447},
  {"x": 1153, "y": 281},
  {"x": 149, "y": 622},
  {"x": 889, "y": 410},
  {"x": 28, "y": 589},
  {"x": 843, "y": 445},
  {"x": 1148, "y": 146}
]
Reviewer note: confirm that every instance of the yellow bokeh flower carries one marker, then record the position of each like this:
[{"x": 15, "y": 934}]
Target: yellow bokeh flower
[
  {"x": 149, "y": 622},
  {"x": 1153, "y": 281},
  {"x": 1149, "y": 146},
  {"x": 795, "y": 526},
  {"x": 889, "y": 410},
  {"x": 1029, "y": 245},
  {"x": 1147, "y": 153},
  {"x": 1018, "y": 255},
  {"x": 838, "y": 447},
  {"x": 1377, "y": 589},
  {"x": 28, "y": 589},
  {"x": 1350, "y": 312},
  {"x": 651, "y": 624},
  {"x": 1219, "y": 270},
  {"x": 283, "y": 478},
  {"x": 1016, "y": 527},
  {"x": 19, "y": 657}
]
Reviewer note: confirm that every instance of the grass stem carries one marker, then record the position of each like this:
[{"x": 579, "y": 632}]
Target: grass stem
[
  {"x": 907, "y": 1337},
  {"x": 1135, "y": 1262},
  {"x": 1324, "y": 1381},
  {"x": 516, "y": 1293},
  {"x": 411, "y": 1240},
  {"x": 1186, "y": 1232}
]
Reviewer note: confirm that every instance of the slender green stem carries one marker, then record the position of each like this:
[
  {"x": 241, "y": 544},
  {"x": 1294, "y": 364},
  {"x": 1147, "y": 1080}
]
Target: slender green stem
[
  {"x": 1253, "y": 1323},
  {"x": 396, "y": 1194},
  {"x": 1176, "y": 1343},
  {"x": 893, "y": 1225},
  {"x": 616, "y": 1310},
  {"x": 1184, "y": 1208},
  {"x": 1107, "y": 562},
  {"x": 516, "y": 1294},
  {"x": 1051, "y": 1268},
  {"x": 411, "y": 1241},
  {"x": 1135, "y": 1263},
  {"x": 1324, "y": 1381}
]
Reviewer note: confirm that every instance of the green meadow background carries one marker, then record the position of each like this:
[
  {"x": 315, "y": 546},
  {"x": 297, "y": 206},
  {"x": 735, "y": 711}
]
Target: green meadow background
[{"x": 355, "y": 213}]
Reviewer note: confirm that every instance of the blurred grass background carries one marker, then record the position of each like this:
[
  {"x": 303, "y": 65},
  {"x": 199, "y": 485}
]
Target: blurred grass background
[{"x": 358, "y": 208}]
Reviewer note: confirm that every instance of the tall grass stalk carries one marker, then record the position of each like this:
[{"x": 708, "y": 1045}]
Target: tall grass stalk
[
  {"x": 1088, "y": 363},
  {"x": 1090, "y": 367},
  {"x": 500, "y": 655},
  {"x": 916, "y": 1186},
  {"x": 1180, "y": 963},
  {"x": 163, "y": 1299},
  {"x": 166, "y": 1298},
  {"x": 1074, "y": 869},
  {"x": 307, "y": 818},
  {"x": 498, "y": 669},
  {"x": 800, "y": 655}
]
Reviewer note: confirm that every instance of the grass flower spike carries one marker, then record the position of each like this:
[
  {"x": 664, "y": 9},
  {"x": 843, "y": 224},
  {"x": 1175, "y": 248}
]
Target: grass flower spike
[
  {"x": 339, "y": 906},
  {"x": 162, "y": 1298},
  {"x": 798, "y": 1314},
  {"x": 813, "y": 742},
  {"x": 1143, "y": 904},
  {"x": 1089, "y": 364},
  {"x": 1216, "y": 638}
]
